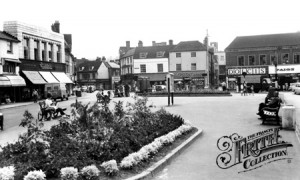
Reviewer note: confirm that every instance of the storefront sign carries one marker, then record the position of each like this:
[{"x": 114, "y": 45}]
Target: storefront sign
[
  {"x": 31, "y": 65},
  {"x": 248, "y": 70},
  {"x": 285, "y": 69},
  {"x": 45, "y": 66},
  {"x": 115, "y": 78},
  {"x": 186, "y": 74}
]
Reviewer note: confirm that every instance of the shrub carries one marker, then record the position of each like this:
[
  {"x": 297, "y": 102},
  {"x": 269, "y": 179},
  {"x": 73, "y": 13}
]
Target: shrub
[
  {"x": 69, "y": 173},
  {"x": 90, "y": 172},
  {"x": 7, "y": 173},
  {"x": 35, "y": 175},
  {"x": 110, "y": 167}
]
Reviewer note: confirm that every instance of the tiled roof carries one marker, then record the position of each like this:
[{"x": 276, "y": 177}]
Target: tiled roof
[
  {"x": 189, "y": 46},
  {"x": 152, "y": 50},
  {"x": 112, "y": 65},
  {"x": 269, "y": 40},
  {"x": 6, "y": 36},
  {"x": 123, "y": 50},
  {"x": 87, "y": 65},
  {"x": 129, "y": 53}
]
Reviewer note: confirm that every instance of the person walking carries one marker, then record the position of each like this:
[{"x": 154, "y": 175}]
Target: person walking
[
  {"x": 252, "y": 90},
  {"x": 35, "y": 95}
]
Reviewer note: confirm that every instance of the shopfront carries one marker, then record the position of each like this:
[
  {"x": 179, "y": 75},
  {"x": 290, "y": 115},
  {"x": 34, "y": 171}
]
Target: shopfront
[
  {"x": 39, "y": 73},
  {"x": 286, "y": 74},
  {"x": 189, "y": 80}
]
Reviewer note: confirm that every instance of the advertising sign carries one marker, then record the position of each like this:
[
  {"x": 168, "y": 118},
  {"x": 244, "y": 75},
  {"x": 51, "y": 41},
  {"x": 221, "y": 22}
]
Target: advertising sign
[
  {"x": 248, "y": 70},
  {"x": 285, "y": 69}
]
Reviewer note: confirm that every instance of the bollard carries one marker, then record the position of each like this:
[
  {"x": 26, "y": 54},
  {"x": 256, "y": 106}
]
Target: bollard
[
  {"x": 1, "y": 121},
  {"x": 288, "y": 117}
]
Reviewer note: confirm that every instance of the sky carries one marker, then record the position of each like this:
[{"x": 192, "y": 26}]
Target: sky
[{"x": 100, "y": 27}]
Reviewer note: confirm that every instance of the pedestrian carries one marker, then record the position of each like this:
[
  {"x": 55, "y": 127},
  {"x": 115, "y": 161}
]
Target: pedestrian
[
  {"x": 35, "y": 95},
  {"x": 252, "y": 90},
  {"x": 245, "y": 88},
  {"x": 242, "y": 89},
  {"x": 99, "y": 96},
  {"x": 126, "y": 90}
]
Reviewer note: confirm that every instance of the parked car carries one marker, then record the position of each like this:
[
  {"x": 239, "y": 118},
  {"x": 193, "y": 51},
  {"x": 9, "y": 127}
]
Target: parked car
[
  {"x": 297, "y": 88},
  {"x": 57, "y": 90},
  {"x": 160, "y": 87},
  {"x": 84, "y": 88},
  {"x": 293, "y": 86}
]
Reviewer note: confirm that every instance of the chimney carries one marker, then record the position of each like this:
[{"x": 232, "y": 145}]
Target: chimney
[
  {"x": 153, "y": 43},
  {"x": 55, "y": 27},
  {"x": 127, "y": 44},
  {"x": 170, "y": 42},
  {"x": 140, "y": 44}
]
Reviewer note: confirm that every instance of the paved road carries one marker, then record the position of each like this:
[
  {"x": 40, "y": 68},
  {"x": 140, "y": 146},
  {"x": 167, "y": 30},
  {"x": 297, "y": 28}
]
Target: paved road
[{"x": 219, "y": 117}]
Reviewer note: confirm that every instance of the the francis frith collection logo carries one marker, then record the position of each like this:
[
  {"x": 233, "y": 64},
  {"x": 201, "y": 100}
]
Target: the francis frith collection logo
[{"x": 253, "y": 151}]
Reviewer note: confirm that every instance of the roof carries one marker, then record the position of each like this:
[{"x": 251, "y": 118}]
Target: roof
[
  {"x": 152, "y": 50},
  {"x": 269, "y": 40},
  {"x": 123, "y": 50},
  {"x": 88, "y": 64},
  {"x": 8, "y": 37},
  {"x": 189, "y": 46},
  {"x": 112, "y": 65},
  {"x": 129, "y": 53}
]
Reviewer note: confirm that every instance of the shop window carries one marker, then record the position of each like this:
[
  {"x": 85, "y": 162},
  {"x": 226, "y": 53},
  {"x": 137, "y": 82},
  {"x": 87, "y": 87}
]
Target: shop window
[
  {"x": 193, "y": 54},
  {"x": 9, "y": 67},
  {"x": 160, "y": 68},
  {"x": 285, "y": 58},
  {"x": 262, "y": 59},
  {"x": 251, "y": 60},
  {"x": 178, "y": 67},
  {"x": 241, "y": 61},
  {"x": 178, "y": 55},
  {"x": 143, "y": 68},
  {"x": 9, "y": 47},
  {"x": 296, "y": 58},
  {"x": 273, "y": 58},
  {"x": 193, "y": 66}
]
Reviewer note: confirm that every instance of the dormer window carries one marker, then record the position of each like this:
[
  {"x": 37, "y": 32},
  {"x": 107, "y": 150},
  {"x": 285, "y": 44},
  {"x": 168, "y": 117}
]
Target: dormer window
[
  {"x": 91, "y": 68},
  {"x": 143, "y": 55},
  {"x": 81, "y": 68},
  {"x": 160, "y": 54}
]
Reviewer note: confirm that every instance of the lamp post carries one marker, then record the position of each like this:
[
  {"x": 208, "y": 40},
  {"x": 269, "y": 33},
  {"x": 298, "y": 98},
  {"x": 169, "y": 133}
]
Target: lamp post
[{"x": 276, "y": 81}]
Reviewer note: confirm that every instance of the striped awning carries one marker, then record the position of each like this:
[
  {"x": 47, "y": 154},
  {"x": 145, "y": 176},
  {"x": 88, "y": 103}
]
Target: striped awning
[
  {"x": 34, "y": 77},
  {"x": 62, "y": 77},
  {"x": 48, "y": 77},
  {"x": 4, "y": 82},
  {"x": 11, "y": 80}
]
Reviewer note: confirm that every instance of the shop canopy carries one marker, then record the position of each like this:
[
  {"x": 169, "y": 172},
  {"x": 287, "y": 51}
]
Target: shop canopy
[
  {"x": 62, "y": 77},
  {"x": 34, "y": 77},
  {"x": 16, "y": 80},
  {"x": 11, "y": 80},
  {"x": 48, "y": 77}
]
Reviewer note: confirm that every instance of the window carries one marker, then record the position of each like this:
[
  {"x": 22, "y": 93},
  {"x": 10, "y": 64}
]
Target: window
[
  {"x": 143, "y": 55},
  {"x": 143, "y": 68},
  {"x": 26, "y": 49},
  {"x": 193, "y": 54},
  {"x": 285, "y": 58},
  {"x": 36, "y": 52},
  {"x": 58, "y": 54},
  {"x": 9, "y": 47},
  {"x": 241, "y": 61},
  {"x": 86, "y": 76},
  {"x": 9, "y": 67},
  {"x": 178, "y": 67},
  {"x": 160, "y": 68},
  {"x": 273, "y": 58},
  {"x": 262, "y": 59},
  {"x": 296, "y": 58},
  {"x": 67, "y": 68},
  {"x": 50, "y": 52},
  {"x": 251, "y": 60},
  {"x": 94, "y": 75},
  {"x": 160, "y": 54},
  {"x": 91, "y": 68},
  {"x": 81, "y": 68},
  {"x": 222, "y": 58},
  {"x": 193, "y": 66},
  {"x": 178, "y": 55}
]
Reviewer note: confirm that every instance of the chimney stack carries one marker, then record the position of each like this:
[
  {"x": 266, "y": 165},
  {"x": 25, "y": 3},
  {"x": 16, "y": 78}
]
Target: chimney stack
[
  {"x": 170, "y": 42},
  {"x": 128, "y": 44},
  {"x": 140, "y": 44},
  {"x": 55, "y": 27},
  {"x": 153, "y": 43}
]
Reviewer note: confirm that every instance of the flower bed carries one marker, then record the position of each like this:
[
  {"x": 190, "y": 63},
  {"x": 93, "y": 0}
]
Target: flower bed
[
  {"x": 96, "y": 140},
  {"x": 200, "y": 92}
]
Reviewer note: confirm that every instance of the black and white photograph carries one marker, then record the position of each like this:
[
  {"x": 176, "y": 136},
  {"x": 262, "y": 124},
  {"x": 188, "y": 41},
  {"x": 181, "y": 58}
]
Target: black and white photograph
[{"x": 149, "y": 90}]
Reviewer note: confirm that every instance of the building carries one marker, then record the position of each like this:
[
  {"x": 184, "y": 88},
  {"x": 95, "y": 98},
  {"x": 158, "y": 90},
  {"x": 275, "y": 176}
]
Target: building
[
  {"x": 10, "y": 81},
  {"x": 42, "y": 56},
  {"x": 146, "y": 61},
  {"x": 98, "y": 73},
  {"x": 192, "y": 64},
  {"x": 257, "y": 56}
]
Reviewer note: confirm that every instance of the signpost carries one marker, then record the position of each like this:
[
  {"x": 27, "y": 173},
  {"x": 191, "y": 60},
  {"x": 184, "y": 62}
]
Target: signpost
[{"x": 170, "y": 87}]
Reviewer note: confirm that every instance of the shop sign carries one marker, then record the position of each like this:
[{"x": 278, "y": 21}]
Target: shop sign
[
  {"x": 187, "y": 74},
  {"x": 285, "y": 69},
  {"x": 45, "y": 66},
  {"x": 248, "y": 70},
  {"x": 115, "y": 78}
]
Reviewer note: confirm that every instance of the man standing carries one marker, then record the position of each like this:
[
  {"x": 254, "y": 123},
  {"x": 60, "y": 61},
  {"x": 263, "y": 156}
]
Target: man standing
[{"x": 35, "y": 95}]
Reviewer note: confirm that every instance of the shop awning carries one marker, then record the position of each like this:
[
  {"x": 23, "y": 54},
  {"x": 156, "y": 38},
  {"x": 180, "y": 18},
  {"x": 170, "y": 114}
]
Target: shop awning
[
  {"x": 4, "y": 82},
  {"x": 16, "y": 80},
  {"x": 48, "y": 77},
  {"x": 62, "y": 77},
  {"x": 12, "y": 60},
  {"x": 34, "y": 77}
]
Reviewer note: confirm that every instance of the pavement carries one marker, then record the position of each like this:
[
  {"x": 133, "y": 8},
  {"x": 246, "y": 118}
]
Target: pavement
[{"x": 216, "y": 117}]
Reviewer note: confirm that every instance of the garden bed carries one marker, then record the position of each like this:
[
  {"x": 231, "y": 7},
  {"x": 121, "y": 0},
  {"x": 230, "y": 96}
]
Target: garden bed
[{"x": 117, "y": 143}]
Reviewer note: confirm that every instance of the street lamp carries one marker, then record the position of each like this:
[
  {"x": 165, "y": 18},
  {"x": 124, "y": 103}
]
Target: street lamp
[{"x": 275, "y": 64}]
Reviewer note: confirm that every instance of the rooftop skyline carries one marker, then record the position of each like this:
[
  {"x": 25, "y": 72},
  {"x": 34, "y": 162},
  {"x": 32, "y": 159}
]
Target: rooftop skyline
[{"x": 100, "y": 28}]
